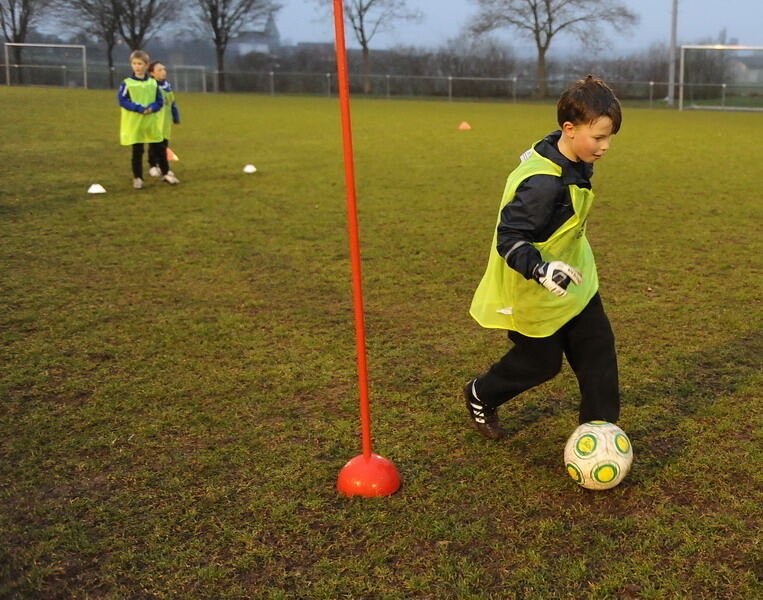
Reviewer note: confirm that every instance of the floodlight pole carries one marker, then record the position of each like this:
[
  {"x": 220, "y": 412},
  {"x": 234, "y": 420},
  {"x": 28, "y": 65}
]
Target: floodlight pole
[
  {"x": 367, "y": 474},
  {"x": 672, "y": 55}
]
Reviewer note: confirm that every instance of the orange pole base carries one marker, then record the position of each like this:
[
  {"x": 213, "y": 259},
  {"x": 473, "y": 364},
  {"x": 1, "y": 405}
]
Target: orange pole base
[{"x": 368, "y": 476}]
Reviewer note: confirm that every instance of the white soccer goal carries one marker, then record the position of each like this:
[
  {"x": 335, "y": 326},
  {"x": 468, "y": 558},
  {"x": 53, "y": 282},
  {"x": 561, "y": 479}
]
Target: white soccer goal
[
  {"x": 188, "y": 78},
  {"x": 51, "y": 64},
  {"x": 721, "y": 77}
]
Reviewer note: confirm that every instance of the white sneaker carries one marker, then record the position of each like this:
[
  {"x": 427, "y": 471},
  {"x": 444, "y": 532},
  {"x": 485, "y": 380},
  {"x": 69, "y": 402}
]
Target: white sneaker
[
  {"x": 137, "y": 183},
  {"x": 155, "y": 171},
  {"x": 171, "y": 179},
  {"x": 169, "y": 173}
]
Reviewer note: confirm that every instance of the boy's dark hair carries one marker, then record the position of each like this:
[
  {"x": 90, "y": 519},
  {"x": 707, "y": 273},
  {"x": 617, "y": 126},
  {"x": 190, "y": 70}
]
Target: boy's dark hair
[
  {"x": 152, "y": 66},
  {"x": 587, "y": 100},
  {"x": 139, "y": 54}
]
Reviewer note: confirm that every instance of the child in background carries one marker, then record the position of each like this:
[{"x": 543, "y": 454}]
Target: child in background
[
  {"x": 158, "y": 71},
  {"x": 541, "y": 283},
  {"x": 141, "y": 102}
]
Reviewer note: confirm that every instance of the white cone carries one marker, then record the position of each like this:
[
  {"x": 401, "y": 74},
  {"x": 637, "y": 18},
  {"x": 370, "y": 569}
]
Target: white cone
[
  {"x": 250, "y": 169},
  {"x": 96, "y": 188}
]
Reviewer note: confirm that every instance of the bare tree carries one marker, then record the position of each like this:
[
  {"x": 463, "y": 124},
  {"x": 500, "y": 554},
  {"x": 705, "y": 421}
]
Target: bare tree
[
  {"x": 369, "y": 17},
  {"x": 224, "y": 19},
  {"x": 469, "y": 56},
  {"x": 96, "y": 18},
  {"x": 542, "y": 20},
  {"x": 137, "y": 19},
  {"x": 17, "y": 18}
]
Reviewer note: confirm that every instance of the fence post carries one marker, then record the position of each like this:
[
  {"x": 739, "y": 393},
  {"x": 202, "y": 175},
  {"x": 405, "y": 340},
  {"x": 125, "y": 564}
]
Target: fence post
[
  {"x": 514, "y": 89},
  {"x": 272, "y": 83},
  {"x": 63, "y": 72},
  {"x": 215, "y": 81},
  {"x": 450, "y": 88},
  {"x": 723, "y": 94},
  {"x": 328, "y": 84},
  {"x": 651, "y": 93},
  {"x": 387, "y": 83}
]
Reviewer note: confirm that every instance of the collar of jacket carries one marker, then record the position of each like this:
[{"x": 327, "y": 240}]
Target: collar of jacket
[{"x": 573, "y": 173}]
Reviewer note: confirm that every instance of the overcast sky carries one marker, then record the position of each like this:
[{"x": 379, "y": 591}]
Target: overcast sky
[{"x": 299, "y": 21}]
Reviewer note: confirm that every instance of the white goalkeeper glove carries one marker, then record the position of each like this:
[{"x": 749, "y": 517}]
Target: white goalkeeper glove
[{"x": 555, "y": 276}]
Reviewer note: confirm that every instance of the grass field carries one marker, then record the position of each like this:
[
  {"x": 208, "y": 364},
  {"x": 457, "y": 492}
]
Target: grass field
[{"x": 179, "y": 388}]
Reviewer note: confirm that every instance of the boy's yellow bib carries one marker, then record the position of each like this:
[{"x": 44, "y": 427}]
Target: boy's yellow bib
[
  {"x": 137, "y": 128},
  {"x": 504, "y": 299},
  {"x": 165, "y": 116}
]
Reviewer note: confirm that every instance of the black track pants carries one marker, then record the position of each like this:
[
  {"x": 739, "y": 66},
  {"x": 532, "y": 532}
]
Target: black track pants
[
  {"x": 155, "y": 149},
  {"x": 589, "y": 345},
  {"x": 158, "y": 153}
]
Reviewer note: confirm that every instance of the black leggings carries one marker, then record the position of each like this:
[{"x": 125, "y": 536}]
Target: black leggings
[
  {"x": 156, "y": 149},
  {"x": 589, "y": 345}
]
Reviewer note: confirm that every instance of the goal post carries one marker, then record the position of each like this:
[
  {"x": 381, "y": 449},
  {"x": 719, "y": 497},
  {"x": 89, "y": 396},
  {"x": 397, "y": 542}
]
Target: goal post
[
  {"x": 720, "y": 77},
  {"x": 8, "y": 65}
]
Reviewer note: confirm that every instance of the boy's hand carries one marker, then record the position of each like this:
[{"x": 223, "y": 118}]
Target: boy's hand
[
  {"x": 148, "y": 111},
  {"x": 556, "y": 276}
]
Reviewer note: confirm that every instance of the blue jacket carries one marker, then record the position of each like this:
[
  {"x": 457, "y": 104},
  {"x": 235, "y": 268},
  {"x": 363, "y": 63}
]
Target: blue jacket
[{"x": 123, "y": 96}]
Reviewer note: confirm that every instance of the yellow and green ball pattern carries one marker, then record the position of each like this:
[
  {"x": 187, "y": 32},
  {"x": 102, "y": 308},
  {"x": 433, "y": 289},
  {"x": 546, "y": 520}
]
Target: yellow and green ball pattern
[
  {"x": 598, "y": 455},
  {"x": 585, "y": 445},
  {"x": 575, "y": 472},
  {"x": 622, "y": 443},
  {"x": 606, "y": 472}
]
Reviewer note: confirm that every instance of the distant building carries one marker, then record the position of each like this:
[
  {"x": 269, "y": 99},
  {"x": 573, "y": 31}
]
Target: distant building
[
  {"x": 318, "y": 48},
  {"x": 747, "y": 69},
  {"x": 261, "y": 36}
]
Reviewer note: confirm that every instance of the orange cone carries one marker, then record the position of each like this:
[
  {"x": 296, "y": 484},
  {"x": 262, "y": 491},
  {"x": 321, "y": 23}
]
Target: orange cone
[
  {"x": 464, "y": 126},
  {"x": 171, "y": 155}
]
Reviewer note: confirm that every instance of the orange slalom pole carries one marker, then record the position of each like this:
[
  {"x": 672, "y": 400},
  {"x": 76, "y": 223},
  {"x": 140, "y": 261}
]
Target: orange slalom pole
[
  {"x": 352, "y": 217},
  {"x": 368, "y": 474}
]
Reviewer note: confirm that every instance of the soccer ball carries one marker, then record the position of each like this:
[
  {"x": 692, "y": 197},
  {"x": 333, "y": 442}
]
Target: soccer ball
[{"x": 598, "y": 455}]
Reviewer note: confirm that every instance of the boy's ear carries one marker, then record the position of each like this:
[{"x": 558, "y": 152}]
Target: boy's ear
[{"x": 568, "y": 128}]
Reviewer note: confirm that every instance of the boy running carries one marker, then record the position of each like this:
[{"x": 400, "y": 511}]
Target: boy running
[{"x": 541, "y": 283}]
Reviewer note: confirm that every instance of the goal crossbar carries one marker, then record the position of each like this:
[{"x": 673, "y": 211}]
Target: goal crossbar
[{"x": 24, "y": 45}]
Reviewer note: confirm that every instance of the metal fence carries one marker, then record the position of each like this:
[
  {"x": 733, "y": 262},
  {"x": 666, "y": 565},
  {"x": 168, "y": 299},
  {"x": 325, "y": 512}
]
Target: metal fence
[
  {"x": 186, "y": 78},
  {"x": 433, "y": 86},
  {"x": 195, "y": 78},
  {"x": 512, "y": 89}
]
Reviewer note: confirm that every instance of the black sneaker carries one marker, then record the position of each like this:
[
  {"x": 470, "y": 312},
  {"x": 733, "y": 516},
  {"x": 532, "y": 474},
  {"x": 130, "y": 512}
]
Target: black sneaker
[{"x": 485, "y": 419}]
